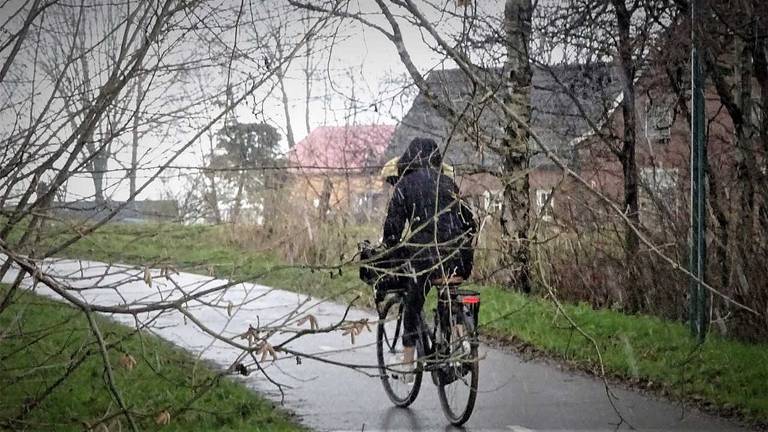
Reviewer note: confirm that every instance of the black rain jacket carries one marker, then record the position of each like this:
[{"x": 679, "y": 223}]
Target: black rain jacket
[{"x": 440, "y": 226}]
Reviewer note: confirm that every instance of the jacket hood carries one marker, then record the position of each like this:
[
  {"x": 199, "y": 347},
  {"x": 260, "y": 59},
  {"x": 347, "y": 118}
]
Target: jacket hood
[{"x": 421, "y": 153}]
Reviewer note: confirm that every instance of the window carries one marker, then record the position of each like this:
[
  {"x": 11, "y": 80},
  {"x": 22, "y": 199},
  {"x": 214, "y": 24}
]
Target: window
[
  {"x": 658, "y": 121},
  {"x": 493, "y": 201},
  {"x": 659, "y": 194},
  {"x": 545, "y": 201},
  {"x": 367, "y": 201},
  {"x": 661, "y": 182}
]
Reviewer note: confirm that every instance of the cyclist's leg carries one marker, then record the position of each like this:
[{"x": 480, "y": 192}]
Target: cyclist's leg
[{"x": 414, "y": 302}]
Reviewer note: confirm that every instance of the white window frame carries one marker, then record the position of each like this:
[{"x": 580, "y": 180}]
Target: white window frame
[
  {"x": 658, "y": 121},
  {"x": 541, "y": 200},
  {"x": 660, "y": 180},
  {"x": 493, "y": 201}
]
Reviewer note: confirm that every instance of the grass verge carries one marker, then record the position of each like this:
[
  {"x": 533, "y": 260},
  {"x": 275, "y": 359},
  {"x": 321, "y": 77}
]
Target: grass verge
[
  {"x": 42, "y": 341},
  {"x": 726, "y": 375}
]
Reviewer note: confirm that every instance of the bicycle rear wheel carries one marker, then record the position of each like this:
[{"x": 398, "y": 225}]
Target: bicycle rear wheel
[
  {"x": 457, "y": 388},
  {"x": 389, "y": 351}
]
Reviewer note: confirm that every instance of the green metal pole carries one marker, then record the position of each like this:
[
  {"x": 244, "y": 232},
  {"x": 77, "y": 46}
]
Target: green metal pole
[{"x": 698, "y": 247}]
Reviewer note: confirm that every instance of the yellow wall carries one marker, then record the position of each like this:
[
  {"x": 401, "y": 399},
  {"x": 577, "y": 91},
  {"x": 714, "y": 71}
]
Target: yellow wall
[{"x": 346, "y": 193}]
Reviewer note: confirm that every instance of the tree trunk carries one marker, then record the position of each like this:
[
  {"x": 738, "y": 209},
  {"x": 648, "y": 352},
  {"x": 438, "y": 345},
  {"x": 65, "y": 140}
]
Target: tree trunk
[
  {"x": 238, "y": 198},
  {"x": 281, "y": 82},
  {"x": 628, "y": 155},
  {"x": 325, "y": 199},
  {"x": 716, "y": 200},
  {"x": 747, "y": 168},
  {"x": 760, "y": 63},
  {"x": 98, "y": 167},
  {"x": 516, "y": 219},
  {"x": 213, "y": 196},
  {"x": 214, "y": 200},
  {"x": 135, "y": 141},
  {"x": 308, "y": 72},
  {"x": 288, "y": 127}
]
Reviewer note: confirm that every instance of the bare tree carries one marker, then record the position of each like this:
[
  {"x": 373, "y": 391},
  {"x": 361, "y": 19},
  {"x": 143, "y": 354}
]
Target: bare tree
[
  {"x": 517, "y": 72},
  {"x": 70, "y": 108}
]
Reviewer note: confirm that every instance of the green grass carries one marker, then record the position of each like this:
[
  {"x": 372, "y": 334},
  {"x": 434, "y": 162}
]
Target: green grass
[
  {"x": 647, "y": 350},
  {"x": 205, "y": 250},
  {"x": 41, "y": 339},
  {"x": 726, "y": 374}
]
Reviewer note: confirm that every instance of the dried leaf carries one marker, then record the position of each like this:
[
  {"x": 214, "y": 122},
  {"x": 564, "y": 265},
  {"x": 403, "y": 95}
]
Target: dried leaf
[
  {"x": 266, "y": 349},
  {"x": 229, "y": 309},
  {"x": 127, "y": 362},
  {"x": 252, "y": 335},
  {"x": 147, "y": 276},
  {"x": 351, "y": 331},
  {"x": 312, "y": 322},
  {"x": 169, "y": 270},
  {"x": 163, "y": 418}
]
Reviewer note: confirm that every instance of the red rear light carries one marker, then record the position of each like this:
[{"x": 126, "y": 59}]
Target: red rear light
[{"x": 470, "y": 299}]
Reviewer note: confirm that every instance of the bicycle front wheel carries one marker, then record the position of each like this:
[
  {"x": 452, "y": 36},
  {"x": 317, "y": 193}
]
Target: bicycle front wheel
[
  {"x": 458, "y": 378},
  {"x": 400, "y": 383}
]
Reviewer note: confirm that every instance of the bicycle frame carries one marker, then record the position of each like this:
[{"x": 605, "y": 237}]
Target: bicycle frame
[
  {"x": 428, "y": 335},
  {"x": 442, "y": 349}
]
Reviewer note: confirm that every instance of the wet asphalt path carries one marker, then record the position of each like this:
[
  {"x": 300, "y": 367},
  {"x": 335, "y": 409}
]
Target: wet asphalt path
[{"x": 515, "y": 395}]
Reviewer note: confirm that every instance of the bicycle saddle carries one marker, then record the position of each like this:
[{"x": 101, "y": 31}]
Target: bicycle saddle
[{"x": 449, "y": 281}]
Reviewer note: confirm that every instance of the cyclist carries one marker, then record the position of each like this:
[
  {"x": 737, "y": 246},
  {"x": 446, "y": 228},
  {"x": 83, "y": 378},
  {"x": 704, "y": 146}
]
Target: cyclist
[{"x": 427, "y": 225}]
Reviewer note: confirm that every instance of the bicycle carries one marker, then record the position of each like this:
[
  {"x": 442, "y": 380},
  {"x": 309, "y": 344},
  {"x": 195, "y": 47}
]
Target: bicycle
[{"x": 447, "y": 349}]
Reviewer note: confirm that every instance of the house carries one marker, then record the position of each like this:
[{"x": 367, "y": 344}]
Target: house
[
  {"x": 663, "y": 140},
  {"x": 566, "y": 101},
  {"x": 335, "y": 169}
]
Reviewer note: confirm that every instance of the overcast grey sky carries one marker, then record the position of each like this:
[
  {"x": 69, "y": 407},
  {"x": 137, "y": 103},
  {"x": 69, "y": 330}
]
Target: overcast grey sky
[{"x": 360, "y": 61}]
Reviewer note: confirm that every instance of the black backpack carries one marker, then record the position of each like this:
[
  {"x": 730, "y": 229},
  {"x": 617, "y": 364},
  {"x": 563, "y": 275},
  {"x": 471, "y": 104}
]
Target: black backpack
[{"x": 377, "y": 265}]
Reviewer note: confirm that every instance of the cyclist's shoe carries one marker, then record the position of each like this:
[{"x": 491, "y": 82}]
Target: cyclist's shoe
[
  {"x": 408, "y": 376},
  {"x": 406, "y": 371}
]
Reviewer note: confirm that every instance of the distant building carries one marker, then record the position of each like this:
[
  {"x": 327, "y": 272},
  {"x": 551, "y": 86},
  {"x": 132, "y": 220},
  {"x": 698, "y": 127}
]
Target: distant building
[
  {"x": 576, "y": 113},
  {"x": 470, "y": 142},
  {"x": 335, "y": 169}
]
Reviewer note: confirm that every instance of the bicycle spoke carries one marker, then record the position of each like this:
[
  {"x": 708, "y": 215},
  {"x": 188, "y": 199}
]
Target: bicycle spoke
[
  {"x": 459, "y": 387},
  {"x": 401, "y": 385}
]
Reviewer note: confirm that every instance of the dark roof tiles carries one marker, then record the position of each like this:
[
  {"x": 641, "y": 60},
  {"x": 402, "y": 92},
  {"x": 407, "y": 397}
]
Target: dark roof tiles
[{"x": 555, "y": 117}]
